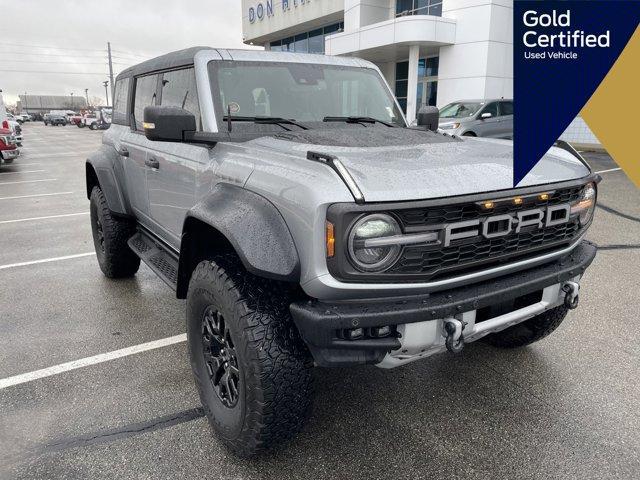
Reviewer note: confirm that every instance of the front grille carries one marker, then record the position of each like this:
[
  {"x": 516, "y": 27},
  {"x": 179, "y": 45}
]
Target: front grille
[
  {"x": 466, "y": 255},
  {"x": 422, "y": 260},
  {"x": 423, "y": 217}
]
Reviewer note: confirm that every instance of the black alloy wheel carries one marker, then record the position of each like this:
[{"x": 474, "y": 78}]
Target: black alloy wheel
[{"x": 220, "y": 357}]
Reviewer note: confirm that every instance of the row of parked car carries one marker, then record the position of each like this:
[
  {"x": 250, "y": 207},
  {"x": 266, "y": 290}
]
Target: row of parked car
[
  {"x": 99, "y": 119},
  {"x": 10, "y": 135}
]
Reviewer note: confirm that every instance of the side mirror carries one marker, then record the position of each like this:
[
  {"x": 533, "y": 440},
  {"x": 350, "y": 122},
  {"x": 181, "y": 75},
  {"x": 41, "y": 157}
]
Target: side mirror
[
  {"x": 486, "y": 115},
  {"x": 428, "y": 117},
  {"x": 168, "y": 124}
]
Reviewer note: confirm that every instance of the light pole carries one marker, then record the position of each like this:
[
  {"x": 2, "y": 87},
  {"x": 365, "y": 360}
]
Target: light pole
[
  {"x": 25, "y": 103},
  {"x": 86, "y": 94},
  {"x": 71, "y": 100},
  {"x": 106, "y": 90}
]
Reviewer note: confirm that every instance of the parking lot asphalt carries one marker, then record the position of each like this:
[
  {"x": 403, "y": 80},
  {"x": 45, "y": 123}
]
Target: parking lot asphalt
[{"x": 565, "y": 407}]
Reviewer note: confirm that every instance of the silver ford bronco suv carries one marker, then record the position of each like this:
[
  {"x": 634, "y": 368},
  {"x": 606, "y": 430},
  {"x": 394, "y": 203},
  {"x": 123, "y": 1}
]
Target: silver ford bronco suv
[{"x": 286, "y": 199}]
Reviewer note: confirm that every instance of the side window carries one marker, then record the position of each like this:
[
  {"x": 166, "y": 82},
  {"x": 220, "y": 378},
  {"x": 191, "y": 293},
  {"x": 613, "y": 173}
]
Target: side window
[
  {"x": 145, "y": 97},
  {"x": 492, "y": 108},
  {"x": 179, "y": 90},
  {"x": 506, "y": 108},
  {"x": 120, "y": 101}
]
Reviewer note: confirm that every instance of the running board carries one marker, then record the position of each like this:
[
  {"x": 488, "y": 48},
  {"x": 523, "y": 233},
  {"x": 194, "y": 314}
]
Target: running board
[{"x": 163, "y": 263}]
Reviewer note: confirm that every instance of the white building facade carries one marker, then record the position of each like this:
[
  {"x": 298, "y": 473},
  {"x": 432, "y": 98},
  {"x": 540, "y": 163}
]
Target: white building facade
[{"x": 432, "y": 52}]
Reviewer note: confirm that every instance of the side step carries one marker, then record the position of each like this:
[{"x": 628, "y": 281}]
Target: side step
[{"x": 158, "y": 258}]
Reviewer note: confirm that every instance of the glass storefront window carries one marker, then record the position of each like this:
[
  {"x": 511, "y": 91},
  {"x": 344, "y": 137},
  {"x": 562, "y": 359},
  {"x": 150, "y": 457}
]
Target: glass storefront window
[
  {"x": 316, "y": 41},
  {"x": 302, "y": 43},
  {"x": 427, "y": 92},
  {"x": 308, "y": 42},
  {"x": 418, "y": 7}
]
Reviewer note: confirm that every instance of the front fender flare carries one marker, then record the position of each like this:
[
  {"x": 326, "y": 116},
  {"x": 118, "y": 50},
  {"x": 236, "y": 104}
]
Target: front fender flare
[{"x": 254, "y": 227}]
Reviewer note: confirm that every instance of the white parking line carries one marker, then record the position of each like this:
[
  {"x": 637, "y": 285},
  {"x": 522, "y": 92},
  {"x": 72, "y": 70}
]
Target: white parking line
[
  {"x": 610, "y": 170},
  {"x": 46, "y": 260},
  {"x": 54, "y": 154},
  {"x": 23, "y": 171},
  {"x": 29, "y": 181},
  {"x": 36, "y": 195},
  {"x": 85, "y": 362},
  {"x": 26, "y": 164},
  {"x": 33, "y": 219}
]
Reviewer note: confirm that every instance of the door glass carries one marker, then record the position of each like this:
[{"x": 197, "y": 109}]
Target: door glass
[
  {"x": 506, "y": 108},
  {"x": 120, "y": 101},
  {"x": 432, "y": 93},
  {"x": 145, "y": 97},
  {"x": 179, "y": 90},
  {"x": 492, "y": 108}
]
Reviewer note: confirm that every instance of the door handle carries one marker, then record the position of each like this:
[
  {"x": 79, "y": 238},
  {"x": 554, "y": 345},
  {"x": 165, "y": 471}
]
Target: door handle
[
  {"x": 152, "y": 163},
  {"x": 123, "y": 152}
]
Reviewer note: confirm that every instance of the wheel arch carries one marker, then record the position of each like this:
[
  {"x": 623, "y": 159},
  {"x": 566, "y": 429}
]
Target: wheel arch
[
  {"x": 100, "y": 171},
  {"x": 233, "y": 219}
]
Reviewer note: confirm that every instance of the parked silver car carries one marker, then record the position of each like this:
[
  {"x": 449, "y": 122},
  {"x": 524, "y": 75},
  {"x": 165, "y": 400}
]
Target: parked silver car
[{"x": 478, "y": 118}]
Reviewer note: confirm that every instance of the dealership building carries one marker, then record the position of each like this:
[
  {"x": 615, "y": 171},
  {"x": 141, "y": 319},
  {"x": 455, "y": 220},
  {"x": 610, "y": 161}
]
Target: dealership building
[{"x": 431, "y": 52}]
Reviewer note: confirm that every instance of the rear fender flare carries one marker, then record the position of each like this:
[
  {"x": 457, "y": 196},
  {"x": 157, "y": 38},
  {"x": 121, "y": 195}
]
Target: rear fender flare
[{"x": 103, "y": 165}]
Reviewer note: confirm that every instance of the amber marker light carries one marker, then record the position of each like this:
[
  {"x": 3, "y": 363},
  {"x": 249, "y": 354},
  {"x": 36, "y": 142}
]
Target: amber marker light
[
  {"x": 517, "y": 201},
  {"x": 543, "y": 196},
  {"x": 331, "y": 240},
  {"x": 488, "y": 205}
]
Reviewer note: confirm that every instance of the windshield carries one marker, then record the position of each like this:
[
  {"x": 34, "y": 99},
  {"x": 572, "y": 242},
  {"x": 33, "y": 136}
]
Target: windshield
[
  {"x": 300, "y": 92},
  {"x": 460, "y": 109}
]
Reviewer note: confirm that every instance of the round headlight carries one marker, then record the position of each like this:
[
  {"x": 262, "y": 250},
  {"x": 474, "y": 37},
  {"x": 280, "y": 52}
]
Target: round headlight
[
  {"x": 586, "y": 204},
  {"x": 367, "y": 248}
]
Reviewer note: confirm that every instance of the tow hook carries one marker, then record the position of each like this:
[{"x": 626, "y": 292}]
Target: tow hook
[
  {"x": 571, "y": 298},
  {"x": 454, "y": 339}
]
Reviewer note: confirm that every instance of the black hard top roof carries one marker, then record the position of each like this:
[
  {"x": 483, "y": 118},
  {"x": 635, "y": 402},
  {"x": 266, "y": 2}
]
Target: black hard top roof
[{"x": 178, "y": 58}]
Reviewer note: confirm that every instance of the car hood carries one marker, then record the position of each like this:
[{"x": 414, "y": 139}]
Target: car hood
[{"x": 427, "y": 165}]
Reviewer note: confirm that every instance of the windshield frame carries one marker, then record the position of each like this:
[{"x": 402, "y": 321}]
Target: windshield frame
[{"x": 221, "y": 124}]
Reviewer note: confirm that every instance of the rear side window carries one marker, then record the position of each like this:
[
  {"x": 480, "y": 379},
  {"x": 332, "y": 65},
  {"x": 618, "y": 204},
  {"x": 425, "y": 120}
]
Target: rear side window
[
  {"x": 120, "y": 98},
  {"x": 145, "y": 97},
  {"x": 506, "y": 108},
  {"x": 179, "y": 90}
]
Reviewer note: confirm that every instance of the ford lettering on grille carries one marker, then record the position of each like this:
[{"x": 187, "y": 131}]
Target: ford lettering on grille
[{"x": 505, "y": 224}]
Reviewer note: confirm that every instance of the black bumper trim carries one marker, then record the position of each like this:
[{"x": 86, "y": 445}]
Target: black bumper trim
[{"x": 318, "y": 321}]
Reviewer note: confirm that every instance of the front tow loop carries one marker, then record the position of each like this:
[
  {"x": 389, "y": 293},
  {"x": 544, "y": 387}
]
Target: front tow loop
[
  {"x": 571, "y": 298},
  {"x": 454, "y": 339}
]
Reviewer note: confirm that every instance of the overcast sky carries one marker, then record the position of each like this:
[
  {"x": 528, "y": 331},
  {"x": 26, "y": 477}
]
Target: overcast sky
[{"x": 137, "y": 30}]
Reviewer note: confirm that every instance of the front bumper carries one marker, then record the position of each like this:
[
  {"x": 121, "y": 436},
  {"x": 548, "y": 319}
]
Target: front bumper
[{"x": 320, "y": 323}]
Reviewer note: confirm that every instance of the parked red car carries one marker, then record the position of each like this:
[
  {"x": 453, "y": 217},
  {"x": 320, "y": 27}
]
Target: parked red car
[{"x": 8, "y": 148}]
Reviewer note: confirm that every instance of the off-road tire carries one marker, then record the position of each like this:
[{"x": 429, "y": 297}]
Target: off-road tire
[
  {"x": 530, "y": 330},
  {"x": 115, "y": 258},
  {"x": 275, "y": 378}
]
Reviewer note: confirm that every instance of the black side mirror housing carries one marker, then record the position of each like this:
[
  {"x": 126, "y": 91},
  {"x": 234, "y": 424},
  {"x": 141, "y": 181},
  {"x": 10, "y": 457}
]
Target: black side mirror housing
[
  {"x": 428, "y": 117},
  {"x": 168, "y": 124}
]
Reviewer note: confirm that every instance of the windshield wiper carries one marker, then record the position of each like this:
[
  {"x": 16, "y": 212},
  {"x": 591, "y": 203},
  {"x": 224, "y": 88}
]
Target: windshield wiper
[
  {"x": 266, "y": 120},
  {"x": 358, "y": 120}
]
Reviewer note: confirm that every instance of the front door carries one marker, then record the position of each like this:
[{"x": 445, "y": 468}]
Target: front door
[
  {"x": 488, "y": 127},
  {"x": 135, "y": 147},
  {"x": 173, "y": 167}
]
